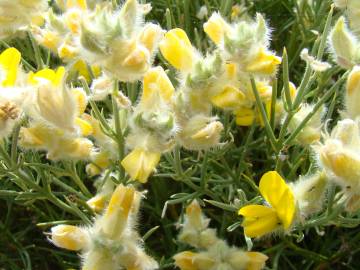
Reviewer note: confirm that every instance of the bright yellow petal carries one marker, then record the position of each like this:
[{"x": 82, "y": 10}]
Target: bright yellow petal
[
  {"x": 258, "y": 220},
  {"x": 55, "y": 77},
  {"x": 278, "y": 194},
  {"x": 177, "y": 49},
  {"x": 229, "y": 98},
  {"x": 139, "y": 164},
  {"x": 245, "y": 116},
  {"x": 9, "y": 62},
  {"x": 157, "y": 82}
]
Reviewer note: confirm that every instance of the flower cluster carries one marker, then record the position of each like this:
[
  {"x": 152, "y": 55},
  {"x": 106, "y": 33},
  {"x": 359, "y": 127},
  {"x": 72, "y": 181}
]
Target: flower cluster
[
  {"x": 213, "y": 253},
  {"x": 111, "y": 242}
]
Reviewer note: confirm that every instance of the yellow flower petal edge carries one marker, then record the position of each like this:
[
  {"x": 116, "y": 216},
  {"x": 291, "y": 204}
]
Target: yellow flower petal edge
[
  {"x": 139, "y": 164},
  {"x": 9, "y": 62},
  {"x": 258, "y": 220},
  {"x": 278, "y": 194}
]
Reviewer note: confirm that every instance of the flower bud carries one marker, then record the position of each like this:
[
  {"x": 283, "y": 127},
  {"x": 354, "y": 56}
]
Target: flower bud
[
  {"x": 201, "y": 132},
  {"x": 339, "y": 157},
  {"x": 256, "y": 260},
  {"x": 150, "y": 36},
  {"x": 311, "y": 132},
  {"x": 352, "y": 97},
  {"x": 185, "y": 260},
  {"x": 101, "y": 87},
  {"x": 343, "y": 43},
  {"x": 309, "y": 192},
  {"x": 69, "y": 237},
  {"x": 114, "y": 221}
]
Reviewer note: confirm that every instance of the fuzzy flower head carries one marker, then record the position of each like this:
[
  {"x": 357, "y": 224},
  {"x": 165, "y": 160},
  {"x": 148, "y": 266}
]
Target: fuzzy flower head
[
  {"x": 352, "y": 10},
  {"x": 260, "y": 220},
  {"x": 309, "y": 192},
  {"x": 244, "y": 43},
  {"x": 311, "y": 132},
  {"x": 339, "y": 155},
  {"x": 352, "y": 95},
  {"x": 58, "y": 144},
  {"x": 344, "y": 45},
  {"x": 200, "y": 132},
  {"x": 13, "y": 93},
  {"x": 195, "y": 229},
  {"x": 18, "y": 15},
  {"x": 153, "y": 125},
  {"x": 69, "y": 237},
  {"x": 56, "y": 104},
  {"x": 111, "y": 242},
  {"x": 213, "y": 253},
  {"x": 119, "y": 41}
]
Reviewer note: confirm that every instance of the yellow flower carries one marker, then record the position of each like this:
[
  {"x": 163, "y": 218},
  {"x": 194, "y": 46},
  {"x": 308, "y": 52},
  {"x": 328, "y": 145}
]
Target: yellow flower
[
  {"x": 264, "y": 63},
  {"x": 139, "y": 164},
  {"x": 185, "y": 260},
  {"x": 157, "y": 84},
  {"x": 236, "y": 10},
  {"x": 216, "y": 27},
  {"x": 47, "y": 75},
  {"x": 229, "y": 98},
  {"x": 9, "y": 66},
  {"x": 99, "y": 162},
  {"x": 53, "y": 140},
  {"x": 69, "y": 237},
  {"x": 259, "y": 219},
  {"x": 256, "y": 260},
  {"x": 177, "y": 49},
  {"x": 244, "y": 116},
  {"x": 82, "y": 69},
  {"x": 352, "y": 97},
  {"x": 150, "y": 36},
  {"x": 50, "y": 40},
  {"x": 200, "y": 132}
]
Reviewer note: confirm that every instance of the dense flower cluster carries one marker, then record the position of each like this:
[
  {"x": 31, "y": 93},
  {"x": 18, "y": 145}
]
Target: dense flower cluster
[{"x": 103, "y": 47}]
